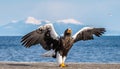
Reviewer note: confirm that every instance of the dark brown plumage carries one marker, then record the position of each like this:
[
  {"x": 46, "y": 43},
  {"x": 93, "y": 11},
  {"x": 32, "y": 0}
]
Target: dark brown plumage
[{"x": 49, "y": 40}]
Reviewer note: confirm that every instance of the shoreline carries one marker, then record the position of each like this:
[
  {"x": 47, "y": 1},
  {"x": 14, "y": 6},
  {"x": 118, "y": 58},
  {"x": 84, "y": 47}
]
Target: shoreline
[
  {"x": 53, "y": 65},
  {"x": 65, "y": 62}
]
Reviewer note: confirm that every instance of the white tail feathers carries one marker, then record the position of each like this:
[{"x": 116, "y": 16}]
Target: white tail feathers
[{"x": 49, "y": 53}]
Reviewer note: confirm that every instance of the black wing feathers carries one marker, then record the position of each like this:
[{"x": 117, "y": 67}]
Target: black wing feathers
[
  {"x": 31, "y": 38},
  {"x": 98, "y": 31},
  {"x": 87, "y": 33},
  {"x": 41, "y": 36}
]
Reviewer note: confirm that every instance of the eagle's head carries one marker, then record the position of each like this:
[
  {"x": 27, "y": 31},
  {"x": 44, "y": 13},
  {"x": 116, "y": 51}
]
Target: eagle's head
[{"x": 68, "y": 32}]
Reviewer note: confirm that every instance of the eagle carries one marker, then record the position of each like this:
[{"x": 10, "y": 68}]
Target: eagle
[{"x": 58, "y": 46}]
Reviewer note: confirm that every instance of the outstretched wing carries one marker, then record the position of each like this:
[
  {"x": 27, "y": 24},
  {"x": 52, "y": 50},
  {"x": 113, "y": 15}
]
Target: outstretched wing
[
  {"x": 87, "y": 33},
  {"x": 45, "y": 35}
]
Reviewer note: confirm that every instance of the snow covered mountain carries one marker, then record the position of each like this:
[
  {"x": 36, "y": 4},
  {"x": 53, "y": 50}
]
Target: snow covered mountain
[{"x": 19, "y": 28}]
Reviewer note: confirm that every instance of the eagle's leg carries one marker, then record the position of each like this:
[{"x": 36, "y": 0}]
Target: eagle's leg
[{"x": 61, "y": 60}]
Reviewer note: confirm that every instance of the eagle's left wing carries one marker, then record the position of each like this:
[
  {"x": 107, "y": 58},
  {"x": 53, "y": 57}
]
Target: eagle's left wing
[
  {"x": 45, "y": 36},
  {"x": 87, "y": 33}
]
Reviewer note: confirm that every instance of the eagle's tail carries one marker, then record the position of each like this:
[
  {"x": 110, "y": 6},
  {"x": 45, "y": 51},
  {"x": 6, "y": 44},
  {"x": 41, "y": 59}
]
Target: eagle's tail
[{"x": 50, "y": 53}]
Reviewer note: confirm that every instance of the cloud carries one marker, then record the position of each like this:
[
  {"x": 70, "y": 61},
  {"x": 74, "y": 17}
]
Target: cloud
[
  {"x": 32, "y": 20},
  {"x": 45, "y": 21},
  {"x": 14, "y": 21},
  {"x": 69, "y": 21}
]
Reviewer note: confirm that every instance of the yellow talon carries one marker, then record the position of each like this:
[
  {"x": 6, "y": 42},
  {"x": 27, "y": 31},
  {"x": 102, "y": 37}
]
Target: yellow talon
[{"x": 62, "y": 65}]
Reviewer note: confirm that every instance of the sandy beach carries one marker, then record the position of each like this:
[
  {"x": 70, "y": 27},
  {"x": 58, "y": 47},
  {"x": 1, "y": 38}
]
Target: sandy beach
[{"x": 52, "y": 65}]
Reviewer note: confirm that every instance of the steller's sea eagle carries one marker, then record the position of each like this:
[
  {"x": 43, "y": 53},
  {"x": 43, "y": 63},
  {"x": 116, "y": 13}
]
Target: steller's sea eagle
[{"x": 58, "y": 46}]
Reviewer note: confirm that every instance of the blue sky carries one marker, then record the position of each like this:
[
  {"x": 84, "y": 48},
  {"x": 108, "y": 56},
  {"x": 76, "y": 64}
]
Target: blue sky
[{"x": 98, "y": 13}]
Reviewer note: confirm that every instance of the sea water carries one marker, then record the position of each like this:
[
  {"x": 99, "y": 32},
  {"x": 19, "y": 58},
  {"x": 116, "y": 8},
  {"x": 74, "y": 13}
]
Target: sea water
[{"x": 105, "y": 49}]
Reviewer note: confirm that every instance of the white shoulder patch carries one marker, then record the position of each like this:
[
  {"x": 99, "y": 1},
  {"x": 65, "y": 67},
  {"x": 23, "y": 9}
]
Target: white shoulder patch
[
  {"x": 83, "y": 29},
  {"x": 53, "y": 32}
]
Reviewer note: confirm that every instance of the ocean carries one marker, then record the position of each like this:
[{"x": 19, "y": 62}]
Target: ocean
[{"x": 105, "y": 49}]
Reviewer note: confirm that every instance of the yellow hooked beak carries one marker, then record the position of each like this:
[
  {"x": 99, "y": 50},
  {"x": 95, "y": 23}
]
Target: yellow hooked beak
[{"x": 69, "y": 31}]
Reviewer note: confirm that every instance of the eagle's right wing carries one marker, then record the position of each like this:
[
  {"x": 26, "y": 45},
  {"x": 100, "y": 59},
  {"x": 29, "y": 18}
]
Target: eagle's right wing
[{"x": 45, "y": 35}]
